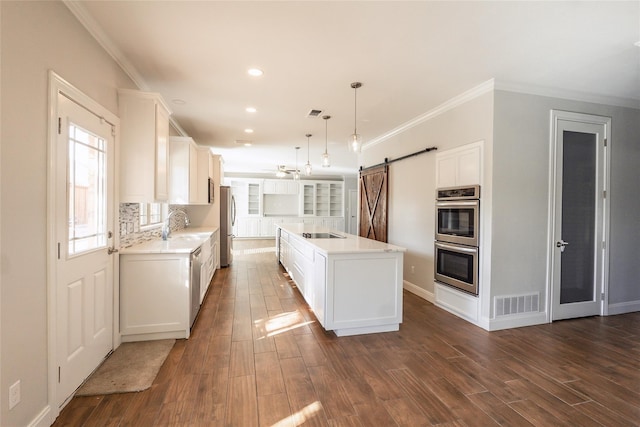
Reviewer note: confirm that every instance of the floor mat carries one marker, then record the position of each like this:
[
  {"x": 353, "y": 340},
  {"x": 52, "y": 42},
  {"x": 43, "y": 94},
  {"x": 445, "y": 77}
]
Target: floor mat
[{"x": 131, "y": 367}]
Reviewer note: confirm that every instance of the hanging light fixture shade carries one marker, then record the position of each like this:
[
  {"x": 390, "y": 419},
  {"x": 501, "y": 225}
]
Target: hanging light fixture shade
[
  {"x": 326, "y": 162},
  {"x": 355, "y": 140},
  {"x": 296, "y": 173},
  {"x": 307, "y": 167}
]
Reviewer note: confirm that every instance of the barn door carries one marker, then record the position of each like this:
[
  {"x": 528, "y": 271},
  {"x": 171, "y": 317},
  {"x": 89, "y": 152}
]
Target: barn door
[{"x": 373, "y": 203}]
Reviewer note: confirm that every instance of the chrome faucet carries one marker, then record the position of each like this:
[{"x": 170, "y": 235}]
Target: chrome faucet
[{"x": 166, "y": 226}]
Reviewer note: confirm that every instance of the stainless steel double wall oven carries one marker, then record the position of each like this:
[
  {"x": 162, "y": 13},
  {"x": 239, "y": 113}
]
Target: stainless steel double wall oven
[{"x": 457, "y": 237}]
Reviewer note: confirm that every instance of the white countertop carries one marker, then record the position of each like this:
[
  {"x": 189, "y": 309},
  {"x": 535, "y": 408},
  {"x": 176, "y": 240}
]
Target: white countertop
[
  {"x": 182, "y": 241},
  {"x": 350, "y": 244}
]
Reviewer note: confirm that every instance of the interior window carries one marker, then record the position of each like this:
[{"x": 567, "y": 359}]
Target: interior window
[{"x": 151, "y": 214}]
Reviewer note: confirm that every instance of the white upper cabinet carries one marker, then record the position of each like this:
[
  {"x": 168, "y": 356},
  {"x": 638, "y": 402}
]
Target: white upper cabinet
[
  {"x": 280, "y": 186},
  {"x": 204, "y": 173},
  {"x": 191, "y": 167},
  {"x": 184, "y": 171},
  {"x": 459, "y": 166},
  {"x": 329, "y": 198},
  {"x": 307, "y": 199},
  {"x": 144, "y": 147}
]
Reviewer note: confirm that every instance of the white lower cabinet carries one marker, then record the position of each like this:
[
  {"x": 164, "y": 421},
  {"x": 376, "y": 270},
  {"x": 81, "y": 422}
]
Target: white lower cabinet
[
  {"x": 209, "y": 264},
  {"x": 157, "y": 298},
  {"x": 154, "y": 296}
]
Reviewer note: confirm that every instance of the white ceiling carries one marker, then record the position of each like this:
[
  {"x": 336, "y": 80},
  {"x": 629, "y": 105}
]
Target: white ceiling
[{"x": 410, "y": 56}]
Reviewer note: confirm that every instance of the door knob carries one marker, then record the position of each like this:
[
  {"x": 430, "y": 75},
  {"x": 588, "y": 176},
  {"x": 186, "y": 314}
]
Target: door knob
[{"x": 561, "y": 244}]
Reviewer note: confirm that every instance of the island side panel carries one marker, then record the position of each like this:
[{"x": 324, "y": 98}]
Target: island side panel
[{"x": 364, "y": 292}]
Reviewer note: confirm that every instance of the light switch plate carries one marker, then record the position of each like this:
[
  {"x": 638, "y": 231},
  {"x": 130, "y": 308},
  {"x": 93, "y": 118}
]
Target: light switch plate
[{"x": 14, "y": 394}]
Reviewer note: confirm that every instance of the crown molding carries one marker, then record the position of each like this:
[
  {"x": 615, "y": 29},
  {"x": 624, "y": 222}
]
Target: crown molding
[
  {"x": 85, "y": 18},
  {"x": 491, "y": 85},
  {"x": 568, "y": 94},
  {"x": 454, "y": 102}
]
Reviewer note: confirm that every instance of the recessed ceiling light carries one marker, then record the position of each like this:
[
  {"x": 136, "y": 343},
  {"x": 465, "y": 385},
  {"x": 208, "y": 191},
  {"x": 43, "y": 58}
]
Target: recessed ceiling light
[
  {"x": 250, "y": 109},
  {"x": 248, "y": 131},
  {"x": 179, "y": 101},
  {"x": 255, "y": 72}
]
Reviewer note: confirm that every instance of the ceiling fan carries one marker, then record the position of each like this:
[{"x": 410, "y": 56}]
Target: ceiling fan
[{"x": 282, "y": 170}]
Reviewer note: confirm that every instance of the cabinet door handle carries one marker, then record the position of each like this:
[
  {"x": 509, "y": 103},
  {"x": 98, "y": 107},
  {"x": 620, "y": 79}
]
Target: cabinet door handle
[{"x": 111, "y": 250}]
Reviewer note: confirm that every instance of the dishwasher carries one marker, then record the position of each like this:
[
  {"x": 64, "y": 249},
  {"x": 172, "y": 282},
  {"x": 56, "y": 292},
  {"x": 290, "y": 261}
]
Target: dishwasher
[{"x": 195, "y": 262}]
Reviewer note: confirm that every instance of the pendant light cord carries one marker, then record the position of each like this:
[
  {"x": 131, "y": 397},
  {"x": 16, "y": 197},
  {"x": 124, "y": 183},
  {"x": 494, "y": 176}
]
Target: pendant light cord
[{"x": 355, "y": 110}]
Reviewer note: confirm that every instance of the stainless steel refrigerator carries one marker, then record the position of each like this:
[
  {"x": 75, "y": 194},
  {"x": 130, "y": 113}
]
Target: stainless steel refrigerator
[{"x": 227, "y": 221}]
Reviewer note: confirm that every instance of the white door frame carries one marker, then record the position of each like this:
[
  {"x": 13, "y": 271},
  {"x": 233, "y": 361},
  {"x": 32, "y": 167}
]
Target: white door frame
[
  {"x": 353, "y": 197},
  {"x": 557, "y": 115},
  {"x": 59, "y": 85}
]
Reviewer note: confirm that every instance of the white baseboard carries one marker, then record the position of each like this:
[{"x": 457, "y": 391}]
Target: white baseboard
[
  {"x": 623, "y": 307},
  {"x": 417, "y": 290},
  {"x": 462, "y": 304},
  {"x": 517, "y": 321},
  {"x": 43, "y": 419}
]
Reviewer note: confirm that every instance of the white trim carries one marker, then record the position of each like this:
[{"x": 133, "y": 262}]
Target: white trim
[
  {"x": 80, "y": 12},
  {"x": 623, "y": 307},
  {"x": 517, "y": 321},
  {"x": 452, "y": 103},
  {"x": 418, "y": 291},
  {"x": 492, "y": 85},
  {"x": 568, "y": 94},
  {"x": 85, "y": 18},
  {"x": 43, "y": 419},
  {"x": 59, "y": 85},
  {"x": 555, "y": 116},
  {"x": 460, "y": 303}
]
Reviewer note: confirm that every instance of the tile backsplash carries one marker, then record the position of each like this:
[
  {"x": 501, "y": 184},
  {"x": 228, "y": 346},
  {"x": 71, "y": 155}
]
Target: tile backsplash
[{"x": 130, "y": 233}]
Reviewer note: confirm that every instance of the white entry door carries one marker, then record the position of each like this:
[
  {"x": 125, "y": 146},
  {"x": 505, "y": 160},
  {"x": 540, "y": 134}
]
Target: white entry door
[
  {"x": 578, "y": 261},
  {"x": 84, "y": 221}
]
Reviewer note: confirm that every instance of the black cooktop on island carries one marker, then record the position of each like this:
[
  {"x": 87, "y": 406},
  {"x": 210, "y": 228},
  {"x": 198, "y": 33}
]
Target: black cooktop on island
[{"x": 322, "y": 236}]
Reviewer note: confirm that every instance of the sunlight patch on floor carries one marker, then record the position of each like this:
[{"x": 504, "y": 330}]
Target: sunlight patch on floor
[
  {"x": 301, "y": 416},
  {"x": 281, "y": 323}
]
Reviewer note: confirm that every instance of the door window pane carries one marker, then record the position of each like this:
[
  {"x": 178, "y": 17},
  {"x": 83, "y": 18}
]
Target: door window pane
[
  {"x": 87, "y": 202},
  {"x": 579, "y": 198}
]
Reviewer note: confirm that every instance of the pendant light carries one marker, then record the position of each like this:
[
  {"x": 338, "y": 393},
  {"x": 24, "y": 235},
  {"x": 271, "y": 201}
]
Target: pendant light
[
  {"x": 296, "y": 173},
  {"x": 325, "y": 156},
  {"x": 307, "y": 167},
  {"x": 355, "y": 140}
]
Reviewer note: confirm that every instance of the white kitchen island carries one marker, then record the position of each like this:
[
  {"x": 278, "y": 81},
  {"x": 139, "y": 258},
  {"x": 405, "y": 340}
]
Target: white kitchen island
[{"x": 352, "y": 284}]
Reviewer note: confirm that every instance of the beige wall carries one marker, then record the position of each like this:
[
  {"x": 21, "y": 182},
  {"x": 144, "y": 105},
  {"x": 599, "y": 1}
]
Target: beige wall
[
  {"x": 412, "y": 181},
  {"x": 36, "y": 37}
]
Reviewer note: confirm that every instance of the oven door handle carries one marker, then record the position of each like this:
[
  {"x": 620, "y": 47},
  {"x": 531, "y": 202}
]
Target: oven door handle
[
  {"x": 466, "y": 249},
  {"x": 458, "y": 204}
]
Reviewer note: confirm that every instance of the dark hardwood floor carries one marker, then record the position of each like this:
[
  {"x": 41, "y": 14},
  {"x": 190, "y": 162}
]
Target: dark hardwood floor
[{"x": 258, "y": 358}]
